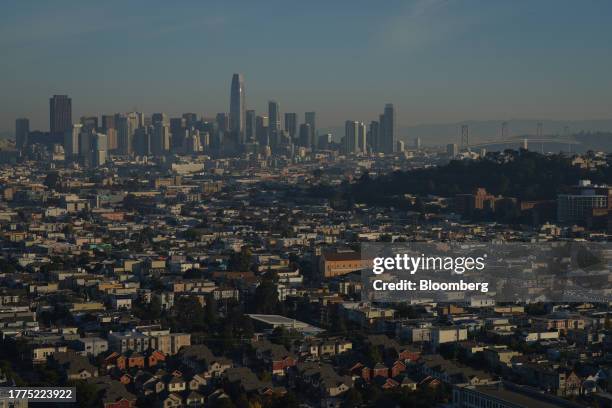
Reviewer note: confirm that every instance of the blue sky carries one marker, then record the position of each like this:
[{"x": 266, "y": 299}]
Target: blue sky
[{"x": 436, "y": 60}]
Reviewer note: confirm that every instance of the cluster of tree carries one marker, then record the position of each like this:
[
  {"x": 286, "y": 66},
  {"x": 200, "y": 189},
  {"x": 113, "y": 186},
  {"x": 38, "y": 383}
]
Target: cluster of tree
[{"x": 521, "y": 174}]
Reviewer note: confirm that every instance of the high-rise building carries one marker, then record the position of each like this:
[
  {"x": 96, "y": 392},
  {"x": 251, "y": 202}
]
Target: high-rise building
[
  {"x": 417, "y": 143},
  {"x": 351, "y": 135},
  {"x": 160, "y": 141},
  {"x": 362, "y": 140},
  {"x": 126, "y": 126},
  {"x": 178, "y": 130},
  {"x": 191, "y": 119},
  {"x": 325, "y": 141},
  {"x": 452, "y": 150},
  {"x": 99, "y": 149},
  {"x": 22, "y": 131},
  {"x": 311, "y": 119},
  {"x": 108, "y": 122},
  {"x": 89, "y": 122},
  {"x": 291, "y": 123},
  {"x": 237, "y": 108},
  {"x": 374, "y": 137},
  {"x": 222, "y": 122},
  {"x": 274, "y": 116},
  {"x": 387, "y": 129},
  {"x": 305, "y": 132},
  {"x": 159, "y": 118},
  {"x": 142, "y": 142},
  {"x": 71, "y": 142},
  {"x": 60, "y": 114},
  {"x": 261, "y": 130},
  {"x": 250, "y": 125}
]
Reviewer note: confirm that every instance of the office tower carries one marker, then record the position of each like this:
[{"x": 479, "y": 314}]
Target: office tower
[
  {"x": 324, "y": 141},
  {"x": 387, "y": 129},
  {"x": 237, "y": 108},
  {"x": 178, "y": 131},
  {"x": 160, "y": 140},
  {"x": 60, "y": 114},
  {"x": 452, "y": 150},
  {"x": 291, "y": 122},
  {"x": 126, "y": 126},
  {"x": 417, "y": 143},
  {"x": 85, "y": 142},
  {"x": 274, "y": 121},
  {"x": 108, "y": 122},
  {"x": 305, "y": 132},
  {"x": 261, "y": 130},
  {"x": 111, "y": 135},
  {"x": 99, "y": 149},
  {"x": 191, "y": 119},
  {"x": 142, "y": 142},
  {"x": 71, "y": 142},
  {"x": 89, "y": 122},
  {"x": 250, "y": 125},
  {"x": 222, "y": 122},
  {"x": 362, "y": 140},
  {"x": 22, "y": 131},
  {"x": 399, "y": 146},
  {"x": 374, "y": 137},
  {"x": 159, "y": 118},
  {"x": 351, "y": 134},
  {"x": 310, "y": 118}
]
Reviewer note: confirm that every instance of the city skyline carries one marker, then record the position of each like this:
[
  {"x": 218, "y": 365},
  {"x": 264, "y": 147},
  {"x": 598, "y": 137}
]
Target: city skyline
[{"x": 445, "y": 61}]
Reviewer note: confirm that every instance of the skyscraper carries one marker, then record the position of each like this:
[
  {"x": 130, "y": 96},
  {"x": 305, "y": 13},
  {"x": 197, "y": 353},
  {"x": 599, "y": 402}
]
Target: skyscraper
[
  {"x": 387, "y": 129},
  {"x": 22, "y": 131},
  {"x": 291, "y": 122},
  {"x": 250, "y": 126},
  {"x": 160, "y": 141},
  {"x": 305, "y": 132},
  {"x": 351, "y": 137},
  {"x": 71, "y": 142},
  {"x": 60, "y": 114},
  {"x": 261, "y": 130},
  {"x": 274, "y": 122},
  {"x": 362, "y": 140},
  {"x": 126, "y": 127},
  {"x": 310, "y": 118},
  {"x": 374, "y": 138},
  {"x": 237, "y": 108}
]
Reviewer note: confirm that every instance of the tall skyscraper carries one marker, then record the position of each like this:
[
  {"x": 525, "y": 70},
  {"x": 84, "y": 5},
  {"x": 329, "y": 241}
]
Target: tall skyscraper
[
  {"x": 250, "y": 126},
  {"x": 362, "y": 140},
  {"x": 291, "y": 123},
  {"x": 237, "y": 108},
  {"x": 311, "y": 119},
  {"x": 108, "y": 122},
  {"x": 71, "y": 142},
  {"x": 387, "y": 129},
  {"x": 60, "y": 114},
  {"x": 22, "y": 131},
  {"x": 274, "y": 118},
  {"x": 99, "y": 149},
  {"x": 178, "y": 130},
  {"x": 374, "y": 139},
  {"x": 126, "y": 127},
  {"x": 305, "y": 132},
  {"x": 351, "y": 137},
  {"x": 261, "y": 130},
  {"x": 160, "y": 141}
]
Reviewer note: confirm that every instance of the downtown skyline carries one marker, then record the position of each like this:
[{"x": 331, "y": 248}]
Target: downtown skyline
[{"x": 438, "y": 61}]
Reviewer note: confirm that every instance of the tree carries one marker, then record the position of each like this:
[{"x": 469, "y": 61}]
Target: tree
[{"x": 352, "y": 399}]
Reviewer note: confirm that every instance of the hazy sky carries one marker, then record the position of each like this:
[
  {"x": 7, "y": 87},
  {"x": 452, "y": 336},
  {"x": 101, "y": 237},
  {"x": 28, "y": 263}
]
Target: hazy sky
[{"x": 436, "y": 60}]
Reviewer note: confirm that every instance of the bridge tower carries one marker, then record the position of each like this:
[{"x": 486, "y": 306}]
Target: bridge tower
[
  {"x": 504, "y": 131},
  {"x": 539, "y": 131}
]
